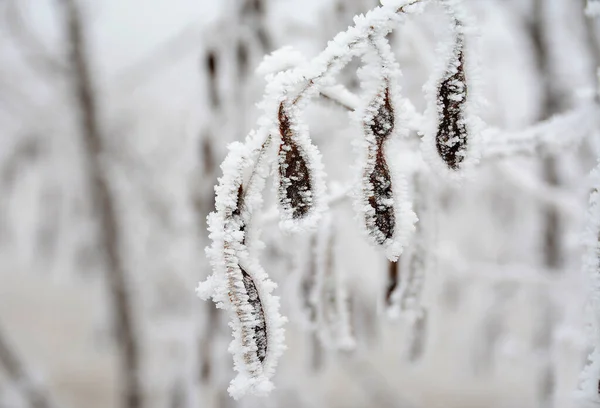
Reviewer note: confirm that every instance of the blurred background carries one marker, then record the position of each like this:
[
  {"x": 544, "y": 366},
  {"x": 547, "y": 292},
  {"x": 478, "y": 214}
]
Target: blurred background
[{"x": 114, "y": 118}]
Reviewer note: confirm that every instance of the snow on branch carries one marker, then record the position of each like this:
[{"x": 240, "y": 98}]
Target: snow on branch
[
  {"x": 551, "y": 136},
  {"x": 589, "y": 387},
  {"x": 281, "y": 143},
  {"x": 238, "y": 283},
  {"x": 329, "y": 297}
]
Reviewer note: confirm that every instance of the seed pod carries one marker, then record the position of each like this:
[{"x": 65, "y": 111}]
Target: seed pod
[
  {"x": 295, "y": 186},
  {"x": 381, "y": 199},
  {"x": 260, "y": 329},
  {"x": 381, "y": 219},
  {"x": 452, "y": 136},
  {"x": 383, "y": 122}
]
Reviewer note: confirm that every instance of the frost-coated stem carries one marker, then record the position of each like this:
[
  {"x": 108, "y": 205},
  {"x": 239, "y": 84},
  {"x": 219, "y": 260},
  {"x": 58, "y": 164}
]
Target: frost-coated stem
[
  {"x": 329, "y": 297},
  {"x": 589, "y": 386},
  {"x": 352, "y": 42},
  {"x": 407, "y": 298},
  {"x": 238, "y": 283},
  {"x": 589, "y": 379},
  {"x": 544, "y": 137}
]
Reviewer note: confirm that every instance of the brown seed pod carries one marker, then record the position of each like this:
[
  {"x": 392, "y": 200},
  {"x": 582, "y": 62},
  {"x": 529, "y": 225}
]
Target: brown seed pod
[
  {"x": 452, "y": 136},
  {"x": 295, "y": 187},
  {"x": 382, "y": 221},
  {"x": 381, "y": 199},
  {"x": 383, "y": 122},
  {"x": 260, "y": 329}
]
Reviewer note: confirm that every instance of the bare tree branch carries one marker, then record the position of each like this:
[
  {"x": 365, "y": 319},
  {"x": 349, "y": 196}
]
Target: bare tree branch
[
  {"x": 14, "y": 367},
  {"x": 103, "y": 201}
]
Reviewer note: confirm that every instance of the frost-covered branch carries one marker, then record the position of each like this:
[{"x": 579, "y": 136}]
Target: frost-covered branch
[
  {"x": 590, "y": 377},
  {"x": 560, "y": 132},
  {"x": 328, "y": 295},
  {"x": 341, "y": 96},
  {"x": 239, "y": 284}
]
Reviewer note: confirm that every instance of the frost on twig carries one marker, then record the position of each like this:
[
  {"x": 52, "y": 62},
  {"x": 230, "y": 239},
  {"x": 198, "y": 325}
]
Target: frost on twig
[
  {"x": 238, "y": 283},
  {"x": 322, "y": 290},
  {"x": 589, "y": 386},
  {"x": 405, "y": 300},
  {"x": 546, "y": 137},
  {"x": 420, "y": 254},
  {"x": 329, "y": 296}
]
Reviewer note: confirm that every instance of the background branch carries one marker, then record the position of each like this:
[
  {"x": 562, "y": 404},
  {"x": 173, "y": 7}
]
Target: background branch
[{"x": 104, "y": 204}]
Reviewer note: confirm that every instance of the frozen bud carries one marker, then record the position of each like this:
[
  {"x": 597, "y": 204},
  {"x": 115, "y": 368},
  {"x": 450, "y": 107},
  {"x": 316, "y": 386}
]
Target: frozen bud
[
  {"x": 380, "y": 218},
  {"x": 381, "y": 200},
  {"x": 260, "y": 325},
  {"x": 295, "y": 186},
  {"x": 383, "y": 122},
  {"x": 452, "y": 137}
]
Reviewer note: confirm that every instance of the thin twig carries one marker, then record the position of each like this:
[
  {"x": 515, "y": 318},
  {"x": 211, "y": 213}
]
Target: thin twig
[
  {"x": 312, "y": 81},
  {"x": 325, "y": 95},
  {"x": 19, "y": 375},
  {"x": 272, "y": 215}
]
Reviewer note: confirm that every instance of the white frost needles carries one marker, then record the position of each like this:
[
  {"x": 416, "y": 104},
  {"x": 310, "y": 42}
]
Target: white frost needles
[
  {"x": 589, "y": 387},
  {"x": 239, "y": 284},
  {"x": 452, "y": 127},
  {"x": 382, "y": 200}
]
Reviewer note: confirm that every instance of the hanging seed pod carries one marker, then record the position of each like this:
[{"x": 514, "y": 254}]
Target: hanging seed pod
[
  {"x": 452, "y": 136},
  {"x": 260, "y": 327},
  {"x": 251, "y": 326},
  {"x": 295, "y": 186},
  {"x": 380, "y": 218}
]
